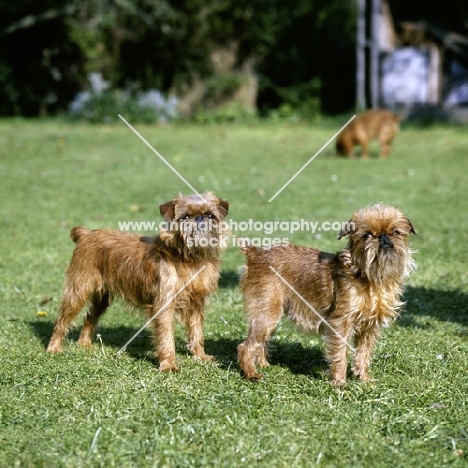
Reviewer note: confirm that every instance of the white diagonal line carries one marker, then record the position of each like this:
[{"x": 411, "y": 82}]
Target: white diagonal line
[
  {"x": 310, "y": 160},
  {"x": 312, "y": 308},
  {"x": 122, "y": 349},
  {"x": 160, "y": 157}
]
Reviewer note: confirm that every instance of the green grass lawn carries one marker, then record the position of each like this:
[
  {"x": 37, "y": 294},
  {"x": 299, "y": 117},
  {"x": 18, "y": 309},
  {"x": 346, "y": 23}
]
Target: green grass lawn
[{"x": 91, "y": 407}]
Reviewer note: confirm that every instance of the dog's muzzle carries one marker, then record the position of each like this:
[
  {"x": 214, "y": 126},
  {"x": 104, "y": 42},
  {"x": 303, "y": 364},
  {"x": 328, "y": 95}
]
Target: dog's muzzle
[
  {"x": 385, "y": 242},
  {"x": 202, "y": 224}
]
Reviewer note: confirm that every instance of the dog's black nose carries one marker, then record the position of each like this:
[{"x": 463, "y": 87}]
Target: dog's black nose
[
  {"x": 199, "y": 219},
  {"x": 385, "y": 242}
]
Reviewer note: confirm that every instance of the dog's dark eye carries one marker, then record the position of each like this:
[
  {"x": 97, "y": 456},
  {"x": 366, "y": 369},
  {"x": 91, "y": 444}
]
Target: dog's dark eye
[
  {"x": 396, "y": 232},
  {"x": 210, "y": 216},
  {"x": 367, "y": 235},
  {"x": 183, "y": 218}
]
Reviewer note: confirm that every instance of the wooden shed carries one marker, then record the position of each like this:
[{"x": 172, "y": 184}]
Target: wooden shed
[{"x": 413, "y": 55}]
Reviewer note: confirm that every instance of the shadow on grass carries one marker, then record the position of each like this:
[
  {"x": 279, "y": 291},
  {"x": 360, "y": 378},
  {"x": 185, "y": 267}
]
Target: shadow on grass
[
  {"x": 114, "y": 337},
  {"x": 446, "y": 306},
  {"x": 224, "y": 350},
  {"x": 292, "y": 355},
  {"x": 228, "y": 279},
  {"x": 296, "y": 357}
]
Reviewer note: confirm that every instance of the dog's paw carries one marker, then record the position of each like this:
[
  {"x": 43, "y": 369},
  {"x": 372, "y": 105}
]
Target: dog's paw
[
  {"x": 253, "y": 377},
  {"x": 338, "y": 382},
  {"x": 204, "y": 357},
  {"x": 168, "y": 366},
  {"x": 85, "y": 342},
  {"x": 362, "y": 375},
  {"x": 366, "y": 378},
  {"x": 263, "y": 363},
  {"x": 54, "y": 349}
]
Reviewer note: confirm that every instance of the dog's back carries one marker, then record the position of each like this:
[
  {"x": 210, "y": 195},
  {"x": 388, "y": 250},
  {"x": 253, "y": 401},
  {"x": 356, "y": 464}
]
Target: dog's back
[
  {"x": 374, "y": 124},
  {"x": 378, "y": 124},
  {"x": 267, "y": 271}
]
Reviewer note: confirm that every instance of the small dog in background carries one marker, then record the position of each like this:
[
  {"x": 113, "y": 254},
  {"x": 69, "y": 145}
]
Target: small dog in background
[
  {"x": 149, "y": 273},
  {"x": 344, "y": 296},
  {"x": 374, "y": 124}
]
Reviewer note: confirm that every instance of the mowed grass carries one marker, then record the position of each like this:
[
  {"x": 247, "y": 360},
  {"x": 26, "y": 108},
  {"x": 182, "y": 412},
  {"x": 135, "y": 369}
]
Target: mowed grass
[{"x": 91, "y": 407}]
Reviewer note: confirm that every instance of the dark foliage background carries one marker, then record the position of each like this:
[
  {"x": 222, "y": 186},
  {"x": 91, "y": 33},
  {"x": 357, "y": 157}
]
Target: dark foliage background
[{"x": 301, "y": 50}]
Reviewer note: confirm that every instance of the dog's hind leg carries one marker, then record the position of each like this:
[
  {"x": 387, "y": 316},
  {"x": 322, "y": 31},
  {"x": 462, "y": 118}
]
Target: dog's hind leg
[
  {"x": 263, "y": 321},
  {"x": 72, "y": 302},
  {"x": 99, "y": 304}
]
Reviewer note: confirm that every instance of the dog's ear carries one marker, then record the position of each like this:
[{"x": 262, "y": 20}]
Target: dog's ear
[
  {"x": 411, "y": 226},
  {"x": 167, "y": 210},
  {"x": 347, "y": 229},
  {"x": 223, "y": 206}
]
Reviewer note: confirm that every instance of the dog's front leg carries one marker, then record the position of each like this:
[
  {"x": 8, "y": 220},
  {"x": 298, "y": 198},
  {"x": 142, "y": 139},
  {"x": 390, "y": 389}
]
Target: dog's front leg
[
  {"x": 163, "y": 335},
  {"x": 365, "y": 344},
  {"x": 194, "y": 325},
  {"x": 336, "y": 348}
]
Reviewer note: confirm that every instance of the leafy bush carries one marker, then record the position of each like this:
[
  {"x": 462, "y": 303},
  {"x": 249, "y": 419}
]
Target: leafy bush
[
  {"x": 222, "y": 86},
  {"x": 232, "y": 112},
  {"x": 48, "y": 47},
  {"x": 100, "y": 104}
]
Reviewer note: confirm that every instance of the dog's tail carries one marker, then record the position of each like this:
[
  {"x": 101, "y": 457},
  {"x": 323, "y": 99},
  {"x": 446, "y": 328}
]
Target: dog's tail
[
  {"x": 244, "y": 244},
  {"x": 77, "y": 233}
]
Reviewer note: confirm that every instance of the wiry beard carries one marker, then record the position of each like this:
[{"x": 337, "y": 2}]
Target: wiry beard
[
  {"x": 205, "y": 234},
  {"x": 383, "y": 265},
  {"x": 197, "y": 239}
]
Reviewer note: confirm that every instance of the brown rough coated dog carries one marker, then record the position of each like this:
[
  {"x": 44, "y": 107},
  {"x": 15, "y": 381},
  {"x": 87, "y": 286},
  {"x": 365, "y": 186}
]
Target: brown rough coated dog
[
  {"x": 344, "y": 296},
  {"x": 148, "y": 272},
  {"x": 374, "y": 124}
]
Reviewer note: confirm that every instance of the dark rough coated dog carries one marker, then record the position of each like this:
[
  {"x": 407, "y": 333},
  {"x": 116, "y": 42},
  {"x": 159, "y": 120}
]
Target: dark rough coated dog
[
  {"x": 344, "y": 296},
  {"x": 149, "y": 273}
]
